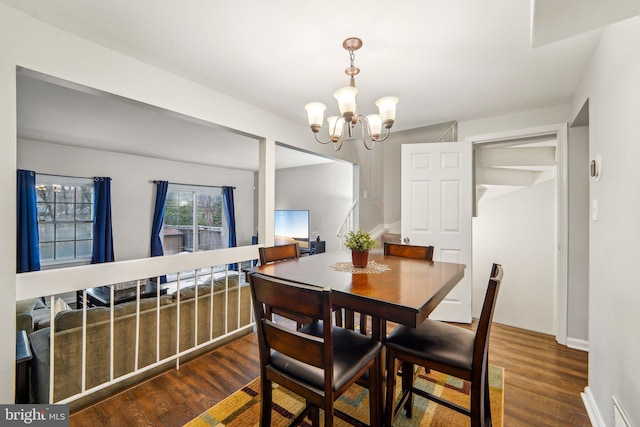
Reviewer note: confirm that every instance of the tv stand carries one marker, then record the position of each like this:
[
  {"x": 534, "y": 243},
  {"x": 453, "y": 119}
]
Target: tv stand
[{"x": 316, "y": 247}]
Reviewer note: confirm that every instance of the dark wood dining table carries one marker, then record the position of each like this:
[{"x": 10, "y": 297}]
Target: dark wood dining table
[{"x": 406, "y": 292}]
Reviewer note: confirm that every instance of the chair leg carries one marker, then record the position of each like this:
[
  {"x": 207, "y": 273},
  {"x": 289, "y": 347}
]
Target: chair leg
[
  {"x": 391, "y": 386},
  {"x": 328, "y": 414},
  {"x": 407, "y": 384},
  {"x": 375, "y": 393},
  {"x": 265, "y": 405},
  {"x": 315, "y": 417},
  {"x": 477, "y": 404},
  {"x": 486, "y": 398}
]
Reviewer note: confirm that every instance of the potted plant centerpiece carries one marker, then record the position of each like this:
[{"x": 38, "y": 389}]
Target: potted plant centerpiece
[{"x": 360, "y": 243}]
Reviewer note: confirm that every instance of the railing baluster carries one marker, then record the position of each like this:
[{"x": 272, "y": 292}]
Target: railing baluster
[
  {"x": 137, "y": 347},
  {"x": 112, "y": 328},
  {"x": 238, "y": 287},
  {"x": 84, "y": 341},
  {"x": 52, "y": 346},
  {"x": 348, "y": 223},
  {"x": 226, "y": 299},
  {"x": 211, "y": 288},
  {"x": 178, "y": 320},
  {"x": 195, "y": 308},
  {"x": 158, "y": 319}
]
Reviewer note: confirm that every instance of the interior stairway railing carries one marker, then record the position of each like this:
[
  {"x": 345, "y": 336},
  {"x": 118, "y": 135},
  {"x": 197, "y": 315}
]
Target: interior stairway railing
[{"x": 348, "y": 224}]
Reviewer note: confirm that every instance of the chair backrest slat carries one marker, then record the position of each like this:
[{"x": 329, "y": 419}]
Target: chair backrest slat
[
  {"x": 303, "y": 347},
  {"x": 279, "y": 253},
  {"x": 294, "y": 298},
  {"x": 409, "y": 251}
]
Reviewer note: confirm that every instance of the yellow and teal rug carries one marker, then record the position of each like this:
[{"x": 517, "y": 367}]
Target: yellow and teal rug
[{"x": 242, "y": 408}]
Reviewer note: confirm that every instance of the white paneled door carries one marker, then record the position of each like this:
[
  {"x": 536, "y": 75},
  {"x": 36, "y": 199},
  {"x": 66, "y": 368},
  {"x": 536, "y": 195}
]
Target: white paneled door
[{"x": 437, "y": 203}]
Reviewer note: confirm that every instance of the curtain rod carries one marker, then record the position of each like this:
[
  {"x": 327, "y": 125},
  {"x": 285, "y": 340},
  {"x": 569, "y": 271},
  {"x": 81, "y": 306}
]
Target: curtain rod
[
  {"x": 155, "y": 181},
  {"x": 55, "y": 175}
]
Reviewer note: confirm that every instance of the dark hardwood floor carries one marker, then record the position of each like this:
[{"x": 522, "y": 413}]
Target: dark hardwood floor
[{"x": 543, "y": 382}]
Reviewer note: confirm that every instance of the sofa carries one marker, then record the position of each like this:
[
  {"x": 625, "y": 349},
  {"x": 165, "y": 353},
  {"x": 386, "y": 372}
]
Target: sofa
[
  {"x": 30, "y": 314},
  {"x": 69, "y": 331}
]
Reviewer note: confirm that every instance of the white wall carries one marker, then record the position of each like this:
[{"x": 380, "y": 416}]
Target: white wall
[
  {"x": 517, "y": 230},
  {"x": 515, "y": 121},
  {"x": 612, "y": 85},
  {"x": 578, "y": 262},
  {"x": 325, "y": 190},
  {"x": 132, "y": 188}
]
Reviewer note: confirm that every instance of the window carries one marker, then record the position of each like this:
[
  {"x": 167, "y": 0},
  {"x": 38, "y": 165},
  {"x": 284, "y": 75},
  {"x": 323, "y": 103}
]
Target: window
[
  {"x": 65, "y": 219},
  {"x": 194, "y": 219}
]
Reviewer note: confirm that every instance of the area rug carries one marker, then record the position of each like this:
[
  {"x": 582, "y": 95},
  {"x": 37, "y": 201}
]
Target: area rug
[{"x": 242, "y": 408}]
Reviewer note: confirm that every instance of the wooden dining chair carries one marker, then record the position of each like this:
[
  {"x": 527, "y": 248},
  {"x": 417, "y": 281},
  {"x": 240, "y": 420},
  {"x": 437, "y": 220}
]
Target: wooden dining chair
[
  {"x": 397, "y": 249},
  {"x": 279, "y": 253},
  {"x": 449, "y": 349},
  {"x": 318, "y": 362},
  {"x": 409, "y": 251},
  {"x": 271, "y": 254}
]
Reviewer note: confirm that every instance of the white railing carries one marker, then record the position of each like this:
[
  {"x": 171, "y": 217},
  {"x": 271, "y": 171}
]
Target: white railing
[
  {"x": 348, "y": 224},
  {"x": 188, "y": 270}
]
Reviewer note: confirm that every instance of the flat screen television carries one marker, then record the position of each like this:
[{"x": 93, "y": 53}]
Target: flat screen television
[{"x": 290, "y": 226}]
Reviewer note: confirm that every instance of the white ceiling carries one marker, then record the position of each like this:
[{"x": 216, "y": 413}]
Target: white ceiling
[{"x": 445, "y": 60}]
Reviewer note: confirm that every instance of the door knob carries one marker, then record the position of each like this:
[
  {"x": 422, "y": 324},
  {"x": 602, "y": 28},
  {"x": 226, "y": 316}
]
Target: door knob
[{"x": 406, "y": 240}]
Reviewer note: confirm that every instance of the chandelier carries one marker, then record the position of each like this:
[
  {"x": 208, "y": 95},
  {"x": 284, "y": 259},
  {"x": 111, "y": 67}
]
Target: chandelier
[{"x": 349, "y": 114}]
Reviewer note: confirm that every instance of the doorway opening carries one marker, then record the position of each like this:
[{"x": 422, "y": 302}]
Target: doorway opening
[{"x": 538, "y": 143}]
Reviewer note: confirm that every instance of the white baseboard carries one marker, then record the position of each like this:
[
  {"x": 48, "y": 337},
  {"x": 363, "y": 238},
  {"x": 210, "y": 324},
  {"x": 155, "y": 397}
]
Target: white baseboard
[
  {"x": 578, "y": 344},
  {"x": 592, "y": 408},
  {"x": 380, "y": 229},
  {"x": 393, "y": 227},
  {"x": 377, "y": 231}
]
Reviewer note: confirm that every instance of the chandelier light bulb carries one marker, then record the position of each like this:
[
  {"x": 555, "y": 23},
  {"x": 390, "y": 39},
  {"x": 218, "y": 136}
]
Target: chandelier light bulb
[
  {"x": 315, "y": 112},
  {"x": 375, "y": 125},
  {"x": 336, "y": 124},
  {"x": 346, "y": 98},
  {"x": 387, "y": 108}
]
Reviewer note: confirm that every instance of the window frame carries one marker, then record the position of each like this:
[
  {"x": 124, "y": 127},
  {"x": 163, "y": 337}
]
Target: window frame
[
  {"x": 196, "y": 189},
  {"x": 61, "y": 180}
]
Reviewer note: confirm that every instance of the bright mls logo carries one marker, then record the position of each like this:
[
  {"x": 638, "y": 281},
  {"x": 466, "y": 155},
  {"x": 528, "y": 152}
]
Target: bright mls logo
[{"x": 36, "y": 415}]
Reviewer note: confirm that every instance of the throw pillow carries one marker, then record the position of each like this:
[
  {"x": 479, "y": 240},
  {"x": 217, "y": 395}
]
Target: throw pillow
[
  {"x": 60, "y": 305},
  {"x": 25, "y": 306}
]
